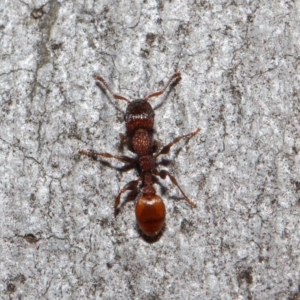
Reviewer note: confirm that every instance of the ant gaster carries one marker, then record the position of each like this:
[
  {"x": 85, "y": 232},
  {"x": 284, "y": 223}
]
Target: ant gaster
[{"x": 139, "y": 118}]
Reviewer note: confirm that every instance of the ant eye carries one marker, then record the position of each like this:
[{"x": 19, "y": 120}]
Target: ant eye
[{"x": 139, "y": 119}]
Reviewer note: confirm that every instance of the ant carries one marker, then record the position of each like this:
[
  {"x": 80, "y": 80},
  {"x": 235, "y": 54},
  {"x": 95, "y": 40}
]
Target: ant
[{"x": 139, "y": 119}]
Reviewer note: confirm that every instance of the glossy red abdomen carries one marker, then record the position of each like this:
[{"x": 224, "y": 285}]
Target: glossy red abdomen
[{"x": 150, "y": 213}]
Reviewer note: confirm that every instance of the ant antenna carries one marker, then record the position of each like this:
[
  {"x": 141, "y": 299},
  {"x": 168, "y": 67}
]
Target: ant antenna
[
  {"x": 117, "y": 97},
  {"x": 174, "y": 77}
]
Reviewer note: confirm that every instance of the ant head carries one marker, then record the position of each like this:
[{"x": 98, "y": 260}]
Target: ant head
[
  {"x": 139, "y": 115},
  {"x": 150, "y": 213}
]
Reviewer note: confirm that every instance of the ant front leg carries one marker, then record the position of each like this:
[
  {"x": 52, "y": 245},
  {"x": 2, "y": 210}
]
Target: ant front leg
[
  {"x": 166, "y": 149},
  {"x": 125, "y": 159},
  {"x": 123, "y": 141},
  {"x": 163, "y": 174}
]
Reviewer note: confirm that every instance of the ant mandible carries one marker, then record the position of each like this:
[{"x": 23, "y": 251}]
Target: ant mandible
[{"x": 139, "y": 118}]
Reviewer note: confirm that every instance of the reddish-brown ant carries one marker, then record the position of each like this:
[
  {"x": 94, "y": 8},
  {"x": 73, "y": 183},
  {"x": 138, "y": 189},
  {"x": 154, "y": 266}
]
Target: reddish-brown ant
[{"x": 139, "y": 118}]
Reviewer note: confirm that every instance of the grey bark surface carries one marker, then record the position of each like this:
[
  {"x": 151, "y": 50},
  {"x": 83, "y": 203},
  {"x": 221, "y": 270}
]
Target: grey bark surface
[{"x": 240, "y": 84}]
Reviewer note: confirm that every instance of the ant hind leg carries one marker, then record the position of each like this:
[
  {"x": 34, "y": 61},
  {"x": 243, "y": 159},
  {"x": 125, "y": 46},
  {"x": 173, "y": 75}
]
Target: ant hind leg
[
  {"x": 163, "y": 174},
  {"x": 130, "y": 186}
]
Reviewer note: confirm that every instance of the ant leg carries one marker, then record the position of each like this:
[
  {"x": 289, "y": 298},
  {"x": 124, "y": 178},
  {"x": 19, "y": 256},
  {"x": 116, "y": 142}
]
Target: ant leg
[
  {"x": 163, "y": 174},
  {"x": 125, "y": 159},
  {"x": 167, "y": 148},
  {"x": 130, "y": 186},
  {"x": 117, "y": 97},
  {"x": 123, "y": 138},
  {"x": 174, "y": 77}
]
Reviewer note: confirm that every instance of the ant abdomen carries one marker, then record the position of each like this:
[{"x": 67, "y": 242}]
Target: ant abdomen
[{"x": 150, "y": 214}]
